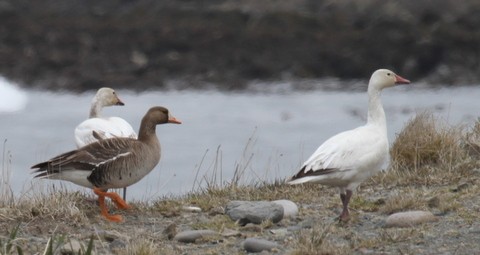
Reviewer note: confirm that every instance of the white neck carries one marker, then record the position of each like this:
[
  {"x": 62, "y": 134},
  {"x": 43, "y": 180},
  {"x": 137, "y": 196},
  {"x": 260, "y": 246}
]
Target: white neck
[
  {"x": 96, "y": 108},
  {"x": 376, "y": 114}
]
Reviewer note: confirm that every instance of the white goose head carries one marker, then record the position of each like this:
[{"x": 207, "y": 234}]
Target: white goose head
[
  {"x": 107, "y": 97},
  {"x": 104, "y": 97},
  {"x": 384, "y": 78}
]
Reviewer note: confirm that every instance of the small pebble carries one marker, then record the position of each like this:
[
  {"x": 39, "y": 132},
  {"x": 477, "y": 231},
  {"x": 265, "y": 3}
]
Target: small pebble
[
  {"x": 191, "y": 209},
  {"x": 409, "y": 219},
  {"x": 259, "y": 245},
  {"x": 190, "y": 236}
]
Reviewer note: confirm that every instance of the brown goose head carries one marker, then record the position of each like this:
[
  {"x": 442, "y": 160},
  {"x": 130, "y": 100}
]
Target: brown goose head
[
  {"x": 155, "y": 116},
  {"x": 160, "y": 115}
]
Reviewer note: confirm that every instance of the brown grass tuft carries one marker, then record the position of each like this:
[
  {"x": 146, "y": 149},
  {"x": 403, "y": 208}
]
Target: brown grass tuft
[
  {"x": 472, "y": 140},
  {"x": 428, "y": 151},
  {"x": 425, "y": 141},
  {"x": 316, "y": 241},
  {"x": 59, "y": 205},
  {"x": 168, "y": 207}
]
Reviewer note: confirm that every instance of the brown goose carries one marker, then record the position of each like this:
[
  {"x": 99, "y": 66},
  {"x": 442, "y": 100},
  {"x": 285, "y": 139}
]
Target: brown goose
[{"x": 110, "y": 163}]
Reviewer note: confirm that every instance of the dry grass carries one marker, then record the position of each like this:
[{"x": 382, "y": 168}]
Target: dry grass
[
  {"x": 431, "y": 169},
  {"x": 60, "y": 205},
  {"x": 428, "y": 151},
  {"x": 141, "y": 246},
  {"x": 472, "y": 140},
  {"x": 6, "y": 193},
  {"x": 426, "y": 141},
  {"x": 316, "y": 241}
]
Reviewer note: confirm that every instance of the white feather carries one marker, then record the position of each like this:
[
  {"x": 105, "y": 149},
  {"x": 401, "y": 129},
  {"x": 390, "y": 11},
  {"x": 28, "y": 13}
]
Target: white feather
[
  {"x": 78, "y": 177},
  {"x": 106, "y": 127}
]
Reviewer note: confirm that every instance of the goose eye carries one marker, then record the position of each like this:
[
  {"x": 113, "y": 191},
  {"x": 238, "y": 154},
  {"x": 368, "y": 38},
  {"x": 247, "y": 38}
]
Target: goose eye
[{"x": 389, "y": 74}]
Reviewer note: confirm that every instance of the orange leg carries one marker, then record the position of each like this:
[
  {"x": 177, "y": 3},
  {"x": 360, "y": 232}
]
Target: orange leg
[
  {"x": 104, "y": 211},
  {"x": 119, "y": 202}
]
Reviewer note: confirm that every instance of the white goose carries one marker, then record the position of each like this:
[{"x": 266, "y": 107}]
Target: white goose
[
  {"x": 104, "y": 127},
  {"x": 96, "y": 127},
  {"x": 348, "y": 158},
  {"x": 110, "y": 163}
]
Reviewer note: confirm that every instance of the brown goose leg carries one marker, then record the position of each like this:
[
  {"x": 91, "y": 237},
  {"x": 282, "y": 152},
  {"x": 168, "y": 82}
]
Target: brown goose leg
[
  {"x": 103, "y": 208},
  {"x": 345, "y": 215}
]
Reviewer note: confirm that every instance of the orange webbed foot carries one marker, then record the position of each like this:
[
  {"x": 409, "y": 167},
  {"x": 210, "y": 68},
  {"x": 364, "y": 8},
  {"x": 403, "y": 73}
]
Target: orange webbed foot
[
  {"x": 113, "y": 217},
  {"x": 104, "y": 211}
]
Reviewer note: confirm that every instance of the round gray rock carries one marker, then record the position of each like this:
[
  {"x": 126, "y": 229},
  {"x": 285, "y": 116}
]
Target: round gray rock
[
  {"x": 254, "y": 211},
  {"x": 259, "y": 245},
  {"x": 290, "y": 209},
  {"x": 409, "y": 218},
  {"x": 191, "y": 236}
]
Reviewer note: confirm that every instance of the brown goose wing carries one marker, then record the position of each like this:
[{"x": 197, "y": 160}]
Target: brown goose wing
[{"x": 88, "y": 158}]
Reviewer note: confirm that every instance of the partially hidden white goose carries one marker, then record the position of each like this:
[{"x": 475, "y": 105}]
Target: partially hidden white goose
[
  {"x": 102, "y": 127},
  {"x": 97, "y": 127},
  {"x": 110, "y": 163},
  {"x": 348, "y": 158}
]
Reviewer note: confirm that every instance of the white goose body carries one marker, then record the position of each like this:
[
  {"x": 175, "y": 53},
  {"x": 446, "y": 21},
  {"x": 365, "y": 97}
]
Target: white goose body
[
  {"x": 348, "y": 158},
  {"x": 110, "y": 127},
  {"x": 105, "y": 127}
]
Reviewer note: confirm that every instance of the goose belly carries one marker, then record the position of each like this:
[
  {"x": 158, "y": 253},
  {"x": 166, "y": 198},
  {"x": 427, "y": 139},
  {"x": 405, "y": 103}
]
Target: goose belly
[
  {"x": 127, "y": 178},
  {"x": 120, "y": 177}
]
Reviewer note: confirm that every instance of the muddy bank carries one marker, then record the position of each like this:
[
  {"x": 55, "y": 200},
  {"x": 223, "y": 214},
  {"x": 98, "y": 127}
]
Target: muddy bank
[{"x": 80, "y": 45}]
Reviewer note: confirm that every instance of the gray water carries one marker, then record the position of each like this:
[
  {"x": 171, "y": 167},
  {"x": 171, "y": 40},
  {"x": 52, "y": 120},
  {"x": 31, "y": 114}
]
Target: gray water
[{"x": 268, "y": 135}]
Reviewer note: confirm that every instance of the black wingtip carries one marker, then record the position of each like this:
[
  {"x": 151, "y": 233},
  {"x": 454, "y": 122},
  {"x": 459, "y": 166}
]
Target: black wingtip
[
  {"x": 301, "y": 173},
  {"x": 40, "y": 165}
]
